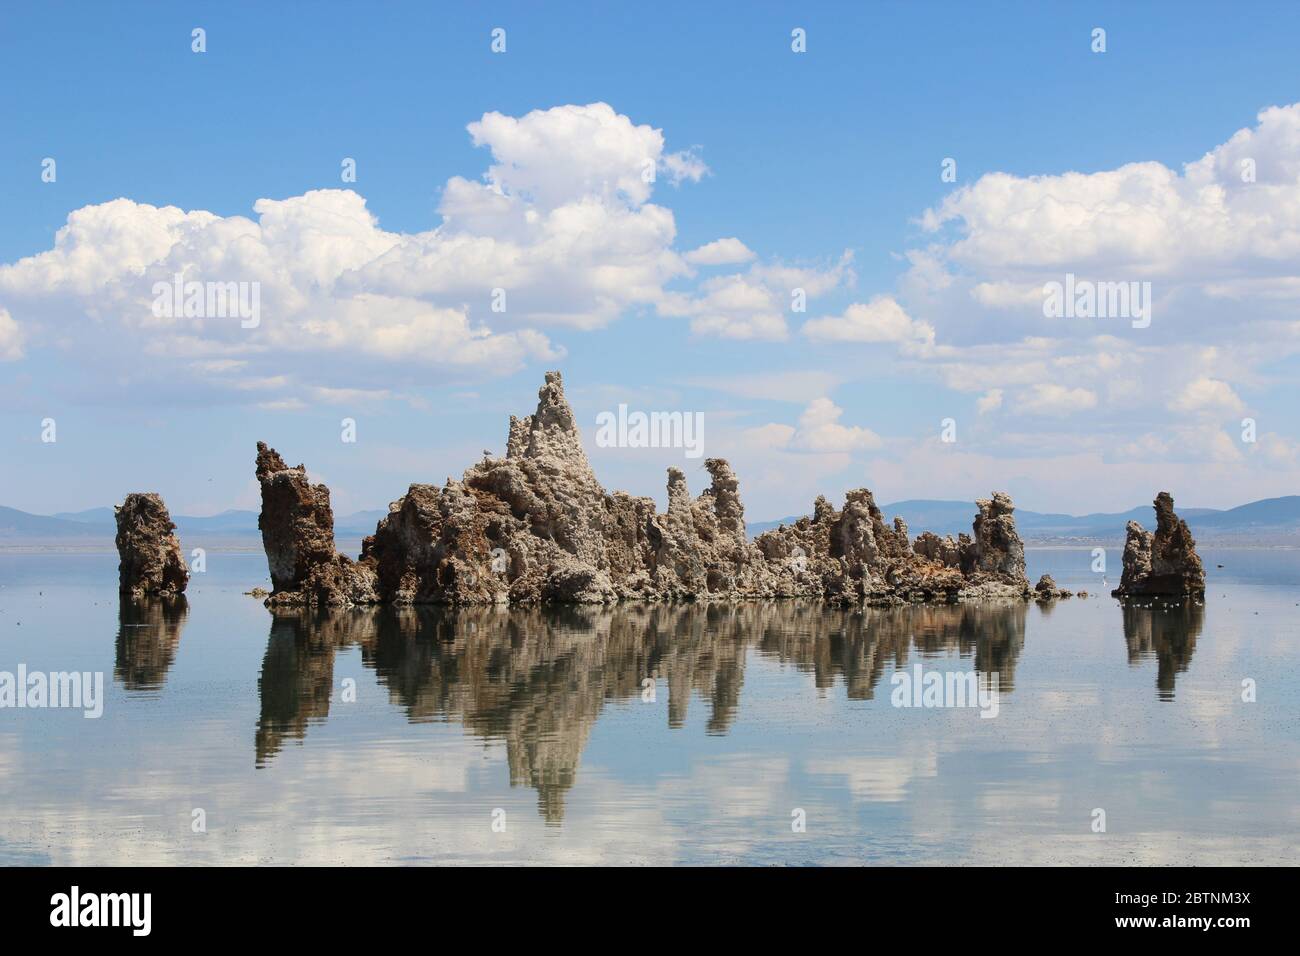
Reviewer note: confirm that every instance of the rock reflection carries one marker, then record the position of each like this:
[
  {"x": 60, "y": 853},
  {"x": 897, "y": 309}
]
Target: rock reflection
[
  {"x": 148, "y": 634},
  {"x": 1167, "y": 632},
  {"x": 537, "y": 679},
  {"x": 298, "y": 675}
]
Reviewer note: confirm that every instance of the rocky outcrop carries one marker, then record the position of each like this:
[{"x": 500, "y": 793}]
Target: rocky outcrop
[
  {"x": 1164, "y": 564},
  {"x": 536, "y": 526},
  {"x": 995, "y": 554},
  {"x": 1046, "y": 590},
  {"x": 297, "y": 526},
  {"x": 149, "y": 553},
  {"x": 855, "y": 556}
]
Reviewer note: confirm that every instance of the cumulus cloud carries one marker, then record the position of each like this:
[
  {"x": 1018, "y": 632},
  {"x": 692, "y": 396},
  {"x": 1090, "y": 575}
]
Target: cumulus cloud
[
  {"x": 735, "y": 307},
  {"x": 880, "y": 320},
  {"x": 571, "y": 153},
  {"x": 1207, "y": 394},
  {"x": 1186, "y": 444},
  {"x": 720, "y": 252},
  {"x": 819, "y": 431},
  {"x": 1218, "y": 240},
  {"x": 559, "y": 233},
  {"x": 11, "y": 343},
  {"x": 752, "y": 305},
  {"x": 109, "y": 262},
  {"x": 1213, "y": 218},
  {"x": 1052, "y": 399}
]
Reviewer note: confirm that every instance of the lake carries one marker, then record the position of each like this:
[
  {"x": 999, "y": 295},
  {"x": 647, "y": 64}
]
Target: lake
[{"x": 761, "y": 733}]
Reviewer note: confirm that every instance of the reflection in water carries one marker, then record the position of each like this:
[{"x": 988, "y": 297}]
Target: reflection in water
[
  {"x": 1166, "y": 632},
  {"x": 537, "y": 679},
  {"x": 297, "y": 679},
  {"x": 148, "y": 634}
]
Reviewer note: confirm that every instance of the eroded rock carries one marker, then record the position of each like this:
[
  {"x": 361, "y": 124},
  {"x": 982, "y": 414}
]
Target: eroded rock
[
  {"x": 537, "y": 526},
  {"x": 297, "y": 526},
  {"x": 1164, "y": 564},
  {"x": 1046, "y": 590},
  {"x": 149, "y": 553}
]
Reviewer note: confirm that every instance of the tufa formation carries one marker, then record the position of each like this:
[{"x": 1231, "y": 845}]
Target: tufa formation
[
  {"x": 149, "y": 553},
  {"x": 537, "y": 527},
  {"x": 1165, "y": 564},
  {"x": 1046, "y": 590}
]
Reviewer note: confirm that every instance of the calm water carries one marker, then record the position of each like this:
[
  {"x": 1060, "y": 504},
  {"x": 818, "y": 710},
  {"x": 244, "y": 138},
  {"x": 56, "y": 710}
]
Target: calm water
[{"x": 754, "y": 712}]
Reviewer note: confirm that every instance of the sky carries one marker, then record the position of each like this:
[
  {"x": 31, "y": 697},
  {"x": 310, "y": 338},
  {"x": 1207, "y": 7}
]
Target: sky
[{"x": 639, "y": 196}]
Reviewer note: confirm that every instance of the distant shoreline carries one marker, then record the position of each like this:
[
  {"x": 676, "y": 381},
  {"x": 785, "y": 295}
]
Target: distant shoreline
[{"x": 353, "y": 546}]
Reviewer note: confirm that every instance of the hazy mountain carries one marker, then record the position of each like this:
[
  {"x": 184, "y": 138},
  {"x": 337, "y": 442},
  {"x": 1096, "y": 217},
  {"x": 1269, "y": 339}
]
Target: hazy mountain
[
  {"x": 89, "y": 516},
  {"x": 97, "y": 524},
  {"x": 20, "y": 524},
  {"x": 1256, "y": 521}
]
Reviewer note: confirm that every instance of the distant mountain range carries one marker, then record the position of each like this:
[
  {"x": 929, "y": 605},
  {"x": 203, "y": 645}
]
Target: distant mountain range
[
  {"x": 97, "y": 524},
  {"x": 1270, "y": 521}
]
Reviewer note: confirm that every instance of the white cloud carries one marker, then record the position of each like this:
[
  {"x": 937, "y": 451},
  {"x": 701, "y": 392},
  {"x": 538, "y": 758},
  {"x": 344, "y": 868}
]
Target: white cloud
[
  {"x": 1142, "y": 217},
  {"x": 720, "y": 252},
  {"x": 1052, "y": 399},
  {"x": 683, "y": 166},
  {"x": 995, "y": 295},
  {"x": 11, "y": 339},
  {"x": 561, "y": 224},
  {"x": 570, "y": 153},
  {"x": 1207, "y": 394},
  {"x": 736, "y": 307},
  {"x": 771, "y": 435},
  {"x": 880, "y": 320},
  {"x": 752, "y": 305},
  {"x": 1187, "y": 444},
  {"x": 1219, "y": 241},
  {"x": 819, "y": 431}
]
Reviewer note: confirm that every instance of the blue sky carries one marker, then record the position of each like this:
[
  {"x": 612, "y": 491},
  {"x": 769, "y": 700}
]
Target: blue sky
[{"x": 802, "y": 158}]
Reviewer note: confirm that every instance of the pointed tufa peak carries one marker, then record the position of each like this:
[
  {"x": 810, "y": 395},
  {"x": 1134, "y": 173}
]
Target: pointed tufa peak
[
  {"x": 552, "y": 407},
  {"x": 551, "y": 431},
  {"x": 1000, "y": 504},
  {"x": 678, "y": 493},
  {"x": 1166, "y": 519},
  {"x": 517, "y": 439},
  {"x": 269, "y": 461},
  {"x": 724, "y": 492}
]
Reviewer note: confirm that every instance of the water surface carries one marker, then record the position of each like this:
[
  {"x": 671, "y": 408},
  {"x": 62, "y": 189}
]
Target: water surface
[{"x": 688, "y": 734}]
